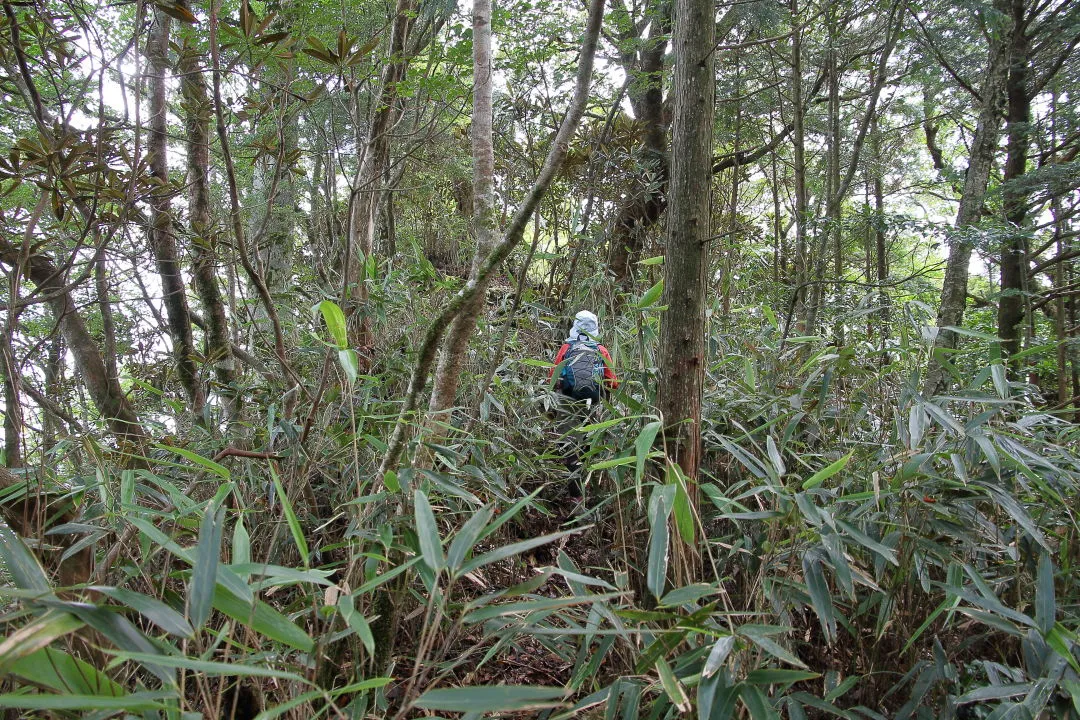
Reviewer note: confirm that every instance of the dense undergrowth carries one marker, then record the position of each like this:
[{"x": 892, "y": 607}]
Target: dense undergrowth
[{"x": 865, "y": 552}]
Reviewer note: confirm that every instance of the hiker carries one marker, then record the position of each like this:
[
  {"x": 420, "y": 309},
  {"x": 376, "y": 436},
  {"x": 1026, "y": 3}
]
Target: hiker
[{"x": 586, "y": 376}]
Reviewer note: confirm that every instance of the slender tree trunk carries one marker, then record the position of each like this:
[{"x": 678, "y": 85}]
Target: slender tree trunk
[
  {"x": 730, "y": 244},
  {"x": 452, "y": 359},
  {"x": 983, "y": 149},
  {"x": 641, "y": 210},
  {"x": 105, "y": 392},
  {"x": 162, "y": 240},
  {"x": 881, "y": 251},
  {"x": 50, "y": 428},
  {"x": 204, "y": 239},
  {"x": 13, "y": 415},
  {"x": 686, "y": 258},
  {"x": 1018, "y": 130},
  {"x": 798, "y": 137},
  {"x": 364, "y": 198},
  {"x": 108, "y": 324}
]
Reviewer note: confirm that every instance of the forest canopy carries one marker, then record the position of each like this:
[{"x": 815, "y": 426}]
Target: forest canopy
[{"x": 295, "y": 297}]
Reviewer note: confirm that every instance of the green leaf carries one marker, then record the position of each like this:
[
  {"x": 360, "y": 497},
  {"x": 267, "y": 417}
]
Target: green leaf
[
  {"x": 357, "y": 622},
  {"x": 241, "y": 543},
  {"x": 820, "y": 597},
  {"x": 672, "y": 687},
  {"x": 827, "y": 472},
  {"x": 350, "y": 363},
  {"x": 718, "y": 655},
  {"x": 491, "y": 698},
  {"x": 660, "y": 504},
  {"x": 514, "y": 549},
  {"x": 64, "y": 673},
  {"x": 759, "y": 635},
  {"x": 1062, "y": 641},
  {"x": 263, "y": 619},
  {"x": 21, "y": 563},
  {"x": 466, "y": 537},
  {"x": 390, "y": 480},
  {"x": 680, "y": 505},
  {"x": 994, "y": 692},
  {"x": 716, "y": 698},
  {"x": 207, "y": 667},
  {"x": 757, "y": 703},
  {"x": 204, "y": 573},
  {"x": 335, "y": 322},
  {"x": 320, "y": 694},
  {"x": 120, "y": 632},
  {"x": 642, "y": 446},
  {"x": 613, "y": 462},
  {"x": 290, "y": 517},
  {"x": 687, "y": 594},
  {"x": 1045, "y": 605},
  {"x": 655, "y": 260},
  {"x": 778, "y": 676},
  {"x": 139, "y": 702},
  {"x": 651, "y": 295},
  {"x": 36, "y": 635},
  {"x": 428, "y": 533},
  {"x": 775, "y": 457},
  {"x": 219, "y": 470},
  {"x": 152, "y": 609}
]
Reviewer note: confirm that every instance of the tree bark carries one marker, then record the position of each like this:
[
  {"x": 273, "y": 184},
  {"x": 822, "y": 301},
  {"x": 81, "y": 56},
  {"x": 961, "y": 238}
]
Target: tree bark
[
  {"x": 798, "y": 138},
  {"x": 1018, "y": 131},
  {"x": 983, "y": 149},
  {"x": 365, "y": 194},
  {"x": 204, "y": 245},
  {"x": 642, "y": 209},
  {"x": 686, "y": 258},
  {"x": 13, "y": 416},
  {"x": 104, "y": 390},
  {"x": 162, "y": 240},
  {"x": 452, "y": 359}
]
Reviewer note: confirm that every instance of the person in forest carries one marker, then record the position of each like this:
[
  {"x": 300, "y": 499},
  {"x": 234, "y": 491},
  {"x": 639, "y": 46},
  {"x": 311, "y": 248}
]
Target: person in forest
[{"x": 585, "y": 375}]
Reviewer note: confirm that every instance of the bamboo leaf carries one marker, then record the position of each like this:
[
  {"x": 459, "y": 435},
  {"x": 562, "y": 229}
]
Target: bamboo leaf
[
  {"x": 152, "y": 609},
  {"x": 642, "y": 446},
  {"x": 36, "y": 635},
  {"x": 672, "y": 687},
  {"x": 428, "y": 533},
  {"x": 513, "y": 549},
  {"x": 204, "y": 572},
  {"x": 216, "y": 468},
  {"x": 21, "y": 563},
  {"x": 1045, "y": 605},
  {"x": 290, "y": 517},
  {"x": 466, "y": 537},
  {"x": 491, "y": 698},
  {"x": 660, "y": 504},
  {"x": 827, "y": 472},
  {"x": 330, "y": 310}
]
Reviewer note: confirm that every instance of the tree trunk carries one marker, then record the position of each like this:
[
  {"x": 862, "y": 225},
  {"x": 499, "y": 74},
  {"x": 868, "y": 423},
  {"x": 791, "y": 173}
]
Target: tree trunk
[
  {"x": 104, "y": 390},
  {"x": 13, "y": 416},
  {"x": 162, "y": 240},
  {"x": 365, "y": 195},
  {"x": 452, "y": 360},
  {"x": 983, "y": 148},
  {"x": 798, "y": 137},
  {"x": 1018, "y": 130},
  {"x": 641, "y": 210},
  {"x": 682, "y": 331},
  {"x": 204, "y": 245}
]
